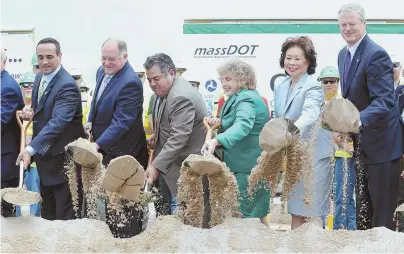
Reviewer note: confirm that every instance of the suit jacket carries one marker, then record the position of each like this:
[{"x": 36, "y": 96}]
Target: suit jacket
[
  {"x": 56, "y": 123},
  {"x": 179, "y": 130},
  {"x": 370, "y": 88},
  {"x": 303, "y": 107},
  {"x": 243, "y": 116},
  {"x": 116, "y": 118},
  {"x": 400, "y": 97},
  {"x": 11, "y": 101}
]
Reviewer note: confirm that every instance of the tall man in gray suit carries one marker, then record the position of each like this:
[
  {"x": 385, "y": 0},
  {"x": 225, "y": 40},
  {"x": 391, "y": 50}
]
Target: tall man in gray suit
[{"x": 179, "y": 129}]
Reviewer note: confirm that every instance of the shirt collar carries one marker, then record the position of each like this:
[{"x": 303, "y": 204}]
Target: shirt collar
[
  {"x": 48, "y": 77},
  {"x": 352, "y": 49}
]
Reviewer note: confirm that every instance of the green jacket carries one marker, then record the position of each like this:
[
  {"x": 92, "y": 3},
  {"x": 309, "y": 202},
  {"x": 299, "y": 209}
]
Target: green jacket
[{"x": 242, "y": 118}]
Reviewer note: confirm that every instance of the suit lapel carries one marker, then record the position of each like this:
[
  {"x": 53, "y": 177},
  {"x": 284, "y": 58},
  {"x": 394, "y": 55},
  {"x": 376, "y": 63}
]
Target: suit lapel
[
  {"x": 35, "y": 93},
  {"x": 227, "y": 105},
  {"x": 295, "y": 91},
  {"x": 45, "y": 94},
  {"x": 108, "y": 88},
  {"x": 354, "y": 65}
]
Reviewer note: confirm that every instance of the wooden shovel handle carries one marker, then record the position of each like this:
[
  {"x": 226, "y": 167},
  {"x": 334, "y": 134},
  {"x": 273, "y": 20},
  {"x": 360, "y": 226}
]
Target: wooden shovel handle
[
  {"x": 23, "y": 129},
  {"x": 151, "y": 155},
  {"x": 209, "y": 128}
]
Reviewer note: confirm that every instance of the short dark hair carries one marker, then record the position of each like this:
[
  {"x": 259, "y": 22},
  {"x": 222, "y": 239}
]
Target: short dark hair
[
  {"x": 50, "y": 40},
  {"x": 306, "y": 45},
  {"x": 164, "y": 61}
]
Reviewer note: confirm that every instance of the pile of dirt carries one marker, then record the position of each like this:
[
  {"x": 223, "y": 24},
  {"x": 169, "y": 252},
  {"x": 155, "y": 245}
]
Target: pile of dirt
[{"x": 169, "y": 234}]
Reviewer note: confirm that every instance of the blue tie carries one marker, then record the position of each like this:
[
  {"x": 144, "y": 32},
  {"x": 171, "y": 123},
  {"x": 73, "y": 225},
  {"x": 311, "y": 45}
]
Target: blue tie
[{"x": 347, "y": 65}]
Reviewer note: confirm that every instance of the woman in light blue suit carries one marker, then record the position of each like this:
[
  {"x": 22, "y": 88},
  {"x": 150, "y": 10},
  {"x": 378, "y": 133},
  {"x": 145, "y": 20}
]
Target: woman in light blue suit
[{"x": 300, "y": 98}]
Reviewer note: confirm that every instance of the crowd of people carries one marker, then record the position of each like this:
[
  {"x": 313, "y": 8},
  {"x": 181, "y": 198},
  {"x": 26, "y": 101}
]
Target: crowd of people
[{"x": 365, "y": 74}]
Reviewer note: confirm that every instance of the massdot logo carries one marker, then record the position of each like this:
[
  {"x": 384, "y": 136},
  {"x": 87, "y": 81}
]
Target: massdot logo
[{"x": 211, "y": 85}]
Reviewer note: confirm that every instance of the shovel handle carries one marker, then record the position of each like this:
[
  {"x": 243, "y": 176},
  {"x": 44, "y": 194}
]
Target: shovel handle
[
  {"x": 90, "y": 138},
  {"x": 23, "y": 129},
  {"x": 151, "y": 155},
  {"x": 21, "y": 175},
  {"x": 209, "y": 128}
]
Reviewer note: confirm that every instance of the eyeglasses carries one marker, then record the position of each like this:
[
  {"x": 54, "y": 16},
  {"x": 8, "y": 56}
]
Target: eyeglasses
[
  {"x": 325, "y": 82},
  {"x": 109, "y": 58},
  {"x": 396, "y": 64},
  {"x": 26, "y": 85},
  {"x": 76, "y": 77}
]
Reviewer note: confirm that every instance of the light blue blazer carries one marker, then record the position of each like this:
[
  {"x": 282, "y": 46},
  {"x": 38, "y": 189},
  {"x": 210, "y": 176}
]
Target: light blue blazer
[{"x": 303, "y": 107}]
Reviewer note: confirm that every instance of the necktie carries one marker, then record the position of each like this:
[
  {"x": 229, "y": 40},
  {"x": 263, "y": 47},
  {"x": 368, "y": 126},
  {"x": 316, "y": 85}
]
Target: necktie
[
  {"x": 347, "y": 65},
  {"x": 41, "y": 89},
  {"x": 104, "y": 84}
]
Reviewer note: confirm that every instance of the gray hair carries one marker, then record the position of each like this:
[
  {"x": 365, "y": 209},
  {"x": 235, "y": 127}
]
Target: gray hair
[
  {"x": 243, "y": 72},
  {"x": 162, "y": 60},
  {"x": 353, "y": 7},
  {"x": 123, "y": 48},
  {"x": 3, "y": 55}
]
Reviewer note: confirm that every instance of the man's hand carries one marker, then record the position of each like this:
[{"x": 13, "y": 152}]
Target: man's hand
[
  {"x": 209, "y": 147},
  {"x": 151, "y": 174},
  {"x": 26, "y": 114},
  {"x": 25, "y": 157},
  {"x": 151, "y": 141},
  {"x": 87, "y": 128}
]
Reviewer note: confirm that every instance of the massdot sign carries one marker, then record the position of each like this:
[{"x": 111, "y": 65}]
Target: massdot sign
[{"x": 208, "y": 45}]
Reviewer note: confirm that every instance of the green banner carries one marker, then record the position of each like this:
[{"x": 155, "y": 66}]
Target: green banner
[{"x": 284, "y": 28}]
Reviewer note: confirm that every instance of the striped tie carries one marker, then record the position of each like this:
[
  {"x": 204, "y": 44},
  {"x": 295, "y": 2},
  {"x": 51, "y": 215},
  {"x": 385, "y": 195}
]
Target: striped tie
[
  {"x": 104, "y": 84},
  {"x": 41, "y": 89}
]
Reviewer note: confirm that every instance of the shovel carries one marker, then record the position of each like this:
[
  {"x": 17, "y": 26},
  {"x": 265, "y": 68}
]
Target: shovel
[
  {"x": 149, "y": 213},
  {"x": 204, "y": 165},
  {"x": 19, "y": 196},
  {"x": 84, "y": 153}
]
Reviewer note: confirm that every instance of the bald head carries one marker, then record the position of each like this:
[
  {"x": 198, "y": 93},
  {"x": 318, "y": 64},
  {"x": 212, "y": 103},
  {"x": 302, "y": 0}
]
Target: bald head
[
  {"x": 3, "y": 59},
  {"x": 114, "y": 55}
]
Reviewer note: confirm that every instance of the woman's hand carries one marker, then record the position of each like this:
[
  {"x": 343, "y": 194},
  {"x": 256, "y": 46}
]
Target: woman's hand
[
  {"x": 209, "y": 147},
  {"x": 212, "y": 120}
]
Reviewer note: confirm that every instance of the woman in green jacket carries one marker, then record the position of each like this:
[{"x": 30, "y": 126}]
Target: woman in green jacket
[{"x": 243, "y": 116}]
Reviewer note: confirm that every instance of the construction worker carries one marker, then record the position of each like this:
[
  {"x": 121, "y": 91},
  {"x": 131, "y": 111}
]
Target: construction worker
[
  {"x": 31, "y": 176},
  {"x": 344, "y": 204},
  {"x": 147, "y": 117},
  {"x": 86, "y": 97},
  {"x": 35, "y": 65}
]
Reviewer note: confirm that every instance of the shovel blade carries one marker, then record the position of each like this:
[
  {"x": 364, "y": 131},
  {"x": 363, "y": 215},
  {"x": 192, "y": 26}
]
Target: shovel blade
[{"x": 21, "y": 197}]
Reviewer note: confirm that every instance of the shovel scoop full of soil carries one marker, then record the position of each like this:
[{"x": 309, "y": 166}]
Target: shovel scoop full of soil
[
  {"x": 19, "y": 196},
  {"x": 340, "y": 115},
  {"x": 277, "y": 134},
  {"x": 84, "y": 153},
  {"x": 124, "y": 176}
]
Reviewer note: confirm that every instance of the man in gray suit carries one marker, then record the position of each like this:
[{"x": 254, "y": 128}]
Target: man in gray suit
[{"x": 178, "y": 125}]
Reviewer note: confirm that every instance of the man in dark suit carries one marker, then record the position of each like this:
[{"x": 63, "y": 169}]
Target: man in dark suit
[
  {"x": 367, "y": 82},
  {"x": 115, "y": 120},
  {"x": 57, "y": 113},
  {"x": 11, "y": 101}
]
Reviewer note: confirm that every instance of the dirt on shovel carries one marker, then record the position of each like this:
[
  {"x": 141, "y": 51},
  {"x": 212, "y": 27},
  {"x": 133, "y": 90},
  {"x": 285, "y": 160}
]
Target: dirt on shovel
[
  {"x": 84, "y": 153},
  {"x": 340, "y": 115}
]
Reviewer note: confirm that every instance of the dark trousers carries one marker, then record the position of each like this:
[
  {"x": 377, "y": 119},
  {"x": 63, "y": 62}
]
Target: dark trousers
[
  {"x": 383, "y": 189},
  {"x": 56, "y": 202},
  {"x": 131, "y": 227},
  {"x": 400, "y": 215},
  {"x": 7, "y": 209}
]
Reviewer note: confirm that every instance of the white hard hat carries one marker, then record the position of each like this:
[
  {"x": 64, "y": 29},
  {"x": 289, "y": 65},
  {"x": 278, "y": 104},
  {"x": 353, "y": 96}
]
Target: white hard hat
[
  {"x": 139, "y": 68},
  {"x": 395, "y": 58},
  {"x": 75, "y": 71}
]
